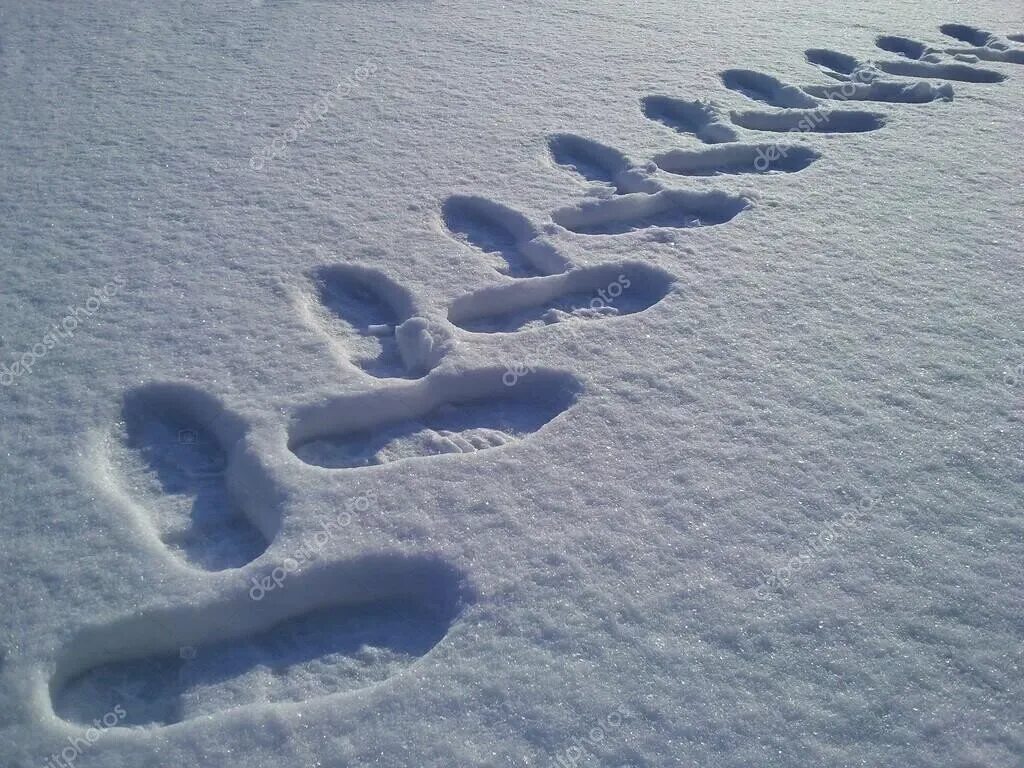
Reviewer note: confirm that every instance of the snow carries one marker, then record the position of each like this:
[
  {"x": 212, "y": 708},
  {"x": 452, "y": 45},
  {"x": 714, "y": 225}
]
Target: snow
[{"x": 415, "y": 384}]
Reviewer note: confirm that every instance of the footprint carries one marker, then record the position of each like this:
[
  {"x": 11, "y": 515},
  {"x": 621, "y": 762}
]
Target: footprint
[
  {"x": 774, "y": 92},
  {"x": 962, "y": 72},
  {"x": 444, "y": 413},
  {"x": 810, "y": 120},
  {"x": 680, "y": 209},
  {"x": 171, "y": 459},
  {"x": 841, "y": 66},
  {"x": 507, "y": 236},
  {"x": 891, "y": 91},
  {"x": 800, "y": 111},
  {"x": 767, "y": 89},
  {"x": 699, "y": 118},
  {"x": 359, "y": 309},
  {"x": 737, "y": 158},
  {"x": 990, "y": 49},
  {"x": 904, "y": 46},
  {"x": 985, "y": 45},
  {"x": 587, "y": 293},
  {"x": 325, "y": 631},
  {"x": 968, "y": 34},
  {"x": 599, "y": 163}
]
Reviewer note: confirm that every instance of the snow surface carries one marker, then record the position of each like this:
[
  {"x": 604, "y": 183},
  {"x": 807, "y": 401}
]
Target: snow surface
[{"x": 520, "y": 404}]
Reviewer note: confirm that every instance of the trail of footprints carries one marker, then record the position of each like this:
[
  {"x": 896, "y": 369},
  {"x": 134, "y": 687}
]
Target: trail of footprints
[{"x": 177, "y": 452}]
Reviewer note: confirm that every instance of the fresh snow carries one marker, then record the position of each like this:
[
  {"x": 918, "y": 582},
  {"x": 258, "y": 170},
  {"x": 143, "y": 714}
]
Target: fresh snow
[{"x": 511, "y": 384}]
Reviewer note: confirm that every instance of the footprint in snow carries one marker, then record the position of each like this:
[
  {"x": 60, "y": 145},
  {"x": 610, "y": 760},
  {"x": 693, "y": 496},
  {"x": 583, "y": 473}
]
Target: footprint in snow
[
  {"x": 170, "y": 460},
  {"x": 984, "y": 46},
  {"x": 624, "y": 177},
  {"x": 841, "y": 66},
  {"x": 456, "y": 413},
  {"x": 573, "y": 293},
  {"x": 513, "y": 245},
  {"x": 600, "y": 164},
  {"x": 325, "y": 632},
  {"x": 585, "y": 293},
  {"x": 638, "y": 202},
  {"x": 772, "y": 91},
  {"x": 737, "y": 158},
  {"x": 370, "y": 321},
  {"x": 699, "y": 118},
  {"x": 667, "y": 209}
]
